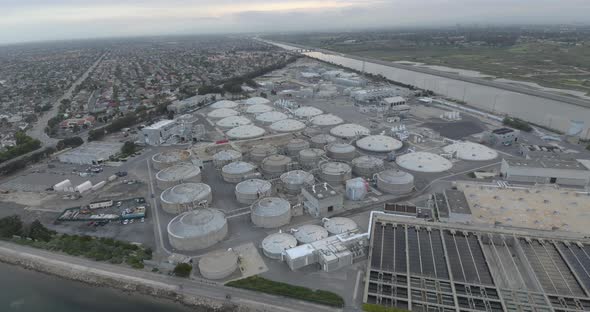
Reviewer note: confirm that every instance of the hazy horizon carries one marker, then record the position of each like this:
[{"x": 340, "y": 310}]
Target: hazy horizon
[{"x": 35, "y": 20}]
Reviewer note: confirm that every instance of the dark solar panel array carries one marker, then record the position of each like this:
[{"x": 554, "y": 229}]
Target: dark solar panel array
[
  {"x": 484, "y": 274},
  {"x": 400, "y": 249},
  {"x": 377, "y": 245},
  {"x": 467, "y": 259},
  {"x": 393, "y": 256},
  {"x": 579, "y": 259},
  {"x": 454, "y": 259}
]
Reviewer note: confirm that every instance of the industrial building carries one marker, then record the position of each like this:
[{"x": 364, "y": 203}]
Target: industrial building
[
  {"x": 321, "y": 200},
  {"x": 159, "y": 132},
  {"x": 91, "y": 153},
  {"x": 423, "y": 266},
  {"x": 501, "y": 136},
  {"x": 552, "y": 171},
  {"x": 533, "y": 151}
]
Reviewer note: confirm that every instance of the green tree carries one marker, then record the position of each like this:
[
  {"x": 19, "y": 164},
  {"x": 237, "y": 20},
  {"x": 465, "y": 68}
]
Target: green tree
[
  {"x": 183, "y": 270},
  {"x": 128, "y": 148},
  {"x": 38, "y": 231},
  {"x": 10, "y": 226}
]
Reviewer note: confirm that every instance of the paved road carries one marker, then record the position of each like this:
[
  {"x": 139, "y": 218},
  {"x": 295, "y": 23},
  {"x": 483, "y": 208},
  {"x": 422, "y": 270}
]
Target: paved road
[{"x": 199, "y": 288}]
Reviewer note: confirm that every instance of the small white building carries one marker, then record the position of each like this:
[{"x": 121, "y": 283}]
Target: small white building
[
  {"x": 91, "y": 153},
  {"x": 159, "y": 132},
  {"x": 551, "y": 171}
]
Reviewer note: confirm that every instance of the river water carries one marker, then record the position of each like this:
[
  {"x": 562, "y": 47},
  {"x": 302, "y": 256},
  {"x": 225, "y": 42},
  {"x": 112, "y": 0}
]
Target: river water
[{"x": 28, "y": 291}]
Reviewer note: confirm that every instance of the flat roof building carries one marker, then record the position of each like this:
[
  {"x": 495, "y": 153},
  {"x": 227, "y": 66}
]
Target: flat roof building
[
  {"x": 547, "y": 171},
  {"x": 91, "y": 153},
  {"x": 159, "y": 132},
  {"x": 322, "y": 200}
]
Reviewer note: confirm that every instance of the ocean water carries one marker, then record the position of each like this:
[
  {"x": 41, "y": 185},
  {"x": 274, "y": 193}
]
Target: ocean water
[{"x": 28, "y": 291}]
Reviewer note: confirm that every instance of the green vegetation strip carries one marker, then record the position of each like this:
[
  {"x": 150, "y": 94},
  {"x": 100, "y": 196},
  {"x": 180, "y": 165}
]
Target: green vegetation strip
[
  {"x": 379, "y": 308},
  {"x": 261, "y": 284},
  {"x": 517, "y": 124}
]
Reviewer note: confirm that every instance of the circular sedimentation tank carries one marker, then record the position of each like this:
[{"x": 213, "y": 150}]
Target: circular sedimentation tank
[
  {"x": 295, "y": 146},
  {"x": 423, "y": 162},
  {"x": 379, "y": 144},
  {"x": 394, "y": 181},
  {"x": 249, "y": 191},
  {"x": 178, "y": 198},
  {"x": 326, "y": 120},
  {"x": 169, "y": 158},
  {"x": 233, "y": 121},
  {"x": 259, "y": 109},
  {"x": 341, "y": 151},
  {"x": 218, "y": 265},
  {"x": 335, "y": 172},
  {"x": 310, "y": 233},
  {"x": 245, "y": 132},
  {"x": 224, "y": 104},
  {"x": 173, "y": 175},
  {"x": 274, "y": 244},
  {"x": 225, "y": 157},
  {"x": 310, "y": 157},
  {"x": 287, "y": 125},
  {"x": 197, "y": 229},
  {"x": 321, "y": 140},
  {"x": 235, "y": 172},
  {"x": 221, "y": 113},
  {"x": 274, "y": 165},
  {"x": 271, "y": 212},
  {"x": 339, "y": 225},
  {"x": 260, "y": 151},
  {"x": 367, "y": 166},
  {"x": 296, "y": 180},
  {"x": 256, "y": 101},
  {"x": 307, "y": 111},
  {"x": 269, "y": 118},
  {"x": 471, "y": 151},
  {"x": 349, "y": 131}
]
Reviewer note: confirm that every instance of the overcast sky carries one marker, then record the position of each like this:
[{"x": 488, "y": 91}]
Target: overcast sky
[{"x": 31, "y": 20}]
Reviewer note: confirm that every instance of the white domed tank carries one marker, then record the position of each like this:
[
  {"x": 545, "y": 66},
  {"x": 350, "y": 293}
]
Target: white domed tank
[
  {"x": 321, "y": 140},
  {"x": 349, "y": 131},
  {"x": 236, "y": 172},
  {"x": 197, "y": 229},
  {"x": 224, "y": 104},
  {"x": 169, "y": 158},
  {"x": 339, "y": 225},
  {"x": 326, "y": 120},
  {"x": 310, "y": 157},
  {"x": 287, "y": 125},
  {"x": 249, "y": 191},
  {"x": 233, "y": 122},
  {"x": 307, "y": 111},
  {"x": 256, "y": 101},
  {"x": 274, "y": 165},
  {"x": 394, "y": 181},
  {"x": 312, "y": 131},
  {"x": 245, "y": 132},
  {"x": 269, "y": 118},
  {"x": 367, "y": 166},
  {"x": 274, "y": 244},
  {"x": 310, "y": 233},
  {"x": 296, "y": 180},
  {"x": 218, "y": 265},
  {"x": 258, "y": 109},
  {"x": 295, "y": 146},
  {"x": 341, "y": 151},
  {"x": 379, "y": 144},
  {"x": 271, "y": 212},
  {"x": 221, "y": 113},
  {"x": 335, "y": 172},
  {"x": 225, "y": 157},
  {"x": 423, "y": 162},
  {"x": 356, "y": 189},
  {"x": 471, "y": 151},
  {"x": 178, "y": 198},
  {"x": 180, "y": 173},
  {"x": 260, "y": 151}
]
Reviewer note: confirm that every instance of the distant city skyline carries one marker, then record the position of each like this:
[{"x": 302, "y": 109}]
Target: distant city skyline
[{"x": 38, "y": 20}]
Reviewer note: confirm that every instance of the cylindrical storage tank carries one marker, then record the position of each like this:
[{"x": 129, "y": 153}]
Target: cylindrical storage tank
[
  {"x": 335, "y": 172},
  {"x": 356, "y": 189},
  {"x": 258, "y": 109},
  {"x": 225, "y": 157},
  {"x": 274, "y": 244},
  {"x": 169, "y": 158},
  {"x": 395, "y": 181},
  {"x": 249, "y": 191},
  {"x": 339, "y": 225},
  {"x": 296, "y": 180},
  {"x": 295, "y": 146},
  {"x": 287, "y": 125},
  {"x": 236, "y": 172},
  {"x": 310, "y": 157},
  {"x": 341, "y": 151},
  {"x": 221, "y": 113},
  {"x": 269, "y": 118},
  {"x": 379, "y": 144},
  {"x": 218, "y": 265},
  {"x": 224, "y": 104},
  {"x": 271, "y": 212},
  {"x": 261, "y": 151},
  {"x": 307, "y": 111},
  {"x": 245, "y": 132},
  {"x": 233, "y": 122},
  {"x": 312, "y": 131},
  {"x": 181, "y": 173},
  {"x": 274, "y": 165},
  {"x": 197, "y": 229},
  {"x": 349, "y": 131},
  {"x": 256, "y": 100},
  {"x": 178, "y": 198},
  {"x": 310, "y": 233},
  {"x": 367, "y": 166},
  {"x": 327, "y": 120},
  {"x": 321, "y": 140}
]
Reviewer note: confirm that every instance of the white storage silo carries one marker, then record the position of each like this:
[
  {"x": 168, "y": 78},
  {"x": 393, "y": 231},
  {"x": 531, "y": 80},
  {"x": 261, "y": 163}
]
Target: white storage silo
[
  {"x": 367, "y": 166},
  {"x": 236, "y": 172},
  {"x": 307, "y": 111},
  {"x": 225, "y": 157},
  {"x": 310, "y": 157},
  {"x": 349, "y": 131},
  {"x": 181, "y": 197},
  {"x": 197, "y": 229},
  {"x": 249, "y": 191},
  {"x": 260, "y": 151},
  {"x": 224, "y": 104},
  {"x": 275, "y": 165},
  {"x": 287, "y": 125},
  {"x": 233, "y": 122},
  {"x": 356, "y": 189},
  {"x": 379, "y": 144},
  {"x": 245, "y": 132},
  {"x": 218, "y": 265},
  {"x": 335, "y": 172},
  {"x": 269, "y": 118},
  {"x": 327, "y": 120},
  {"x": 294, "y": 181},
  {"x": 180, "y": 173},
  {"x": 394, "y": 181},
  {"x": 310, "y": 233},
  {"x": 271, "y": 212},
  {"x": 341, "y": 151},
  {"x": 274, "y": 244},
  {"x": 295, "y": 146},
  {"x": 259, "y": 109},
  {"x": 340, "y": 225},
  {"x": 169, "y": 158},
  {"x": 221, "y": 113},
  {"x": 321, "y": 140}
]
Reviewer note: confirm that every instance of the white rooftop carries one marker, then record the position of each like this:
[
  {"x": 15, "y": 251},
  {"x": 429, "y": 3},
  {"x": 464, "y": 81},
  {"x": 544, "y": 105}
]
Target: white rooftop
[
  {"x": 379, "y": 143},
  {"x": 326, "y": 120},
  {"x": 271, "y": 116},
  {"x": 349, "y": 130},
  {"x": 222, "y": 113},
  {"x": 471, "y": 151},
  {"x": 160, "y": 124},
  {"x": 256, "y": 100},
  {"x": 259, "y": 108},
  {"x": 423, "y": 162},
  {"x": 287, "y": 125},
  {"x": 245, "y": 132},
  {"x": 224, "y": 104},
  {"x": 233, "y": 121},
  {"x": 307, "y": 111}
]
